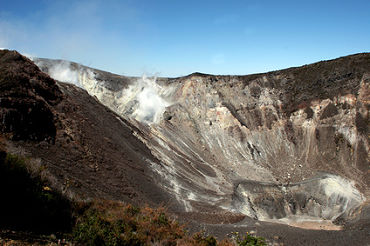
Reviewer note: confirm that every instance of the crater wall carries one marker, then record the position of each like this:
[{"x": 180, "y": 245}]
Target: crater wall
[{"x": 277, "y": 145}]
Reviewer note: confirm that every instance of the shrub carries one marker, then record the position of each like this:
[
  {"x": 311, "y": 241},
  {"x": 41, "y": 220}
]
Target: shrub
[
  {"x": 205, "y": 240},
  {"x": 248, "y": 240},
  {"x": 113, "y": 223}
]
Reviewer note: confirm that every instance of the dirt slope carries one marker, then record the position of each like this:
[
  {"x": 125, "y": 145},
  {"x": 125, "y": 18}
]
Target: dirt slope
[{"x": 87, "y": 150}]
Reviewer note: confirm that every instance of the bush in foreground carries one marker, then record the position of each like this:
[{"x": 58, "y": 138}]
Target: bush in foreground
[{"x": 114, "y": 223}]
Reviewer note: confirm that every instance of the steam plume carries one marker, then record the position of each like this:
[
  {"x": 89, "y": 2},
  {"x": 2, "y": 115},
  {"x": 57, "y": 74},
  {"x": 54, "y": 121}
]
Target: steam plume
[
  {"x": 142, "y": 100},
  {"x": 150, "y": 104}
]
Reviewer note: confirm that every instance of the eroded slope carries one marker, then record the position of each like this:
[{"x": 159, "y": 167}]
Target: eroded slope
[
  {"x": 299, "y": 136},
  {"x": 84, "y": 150}
]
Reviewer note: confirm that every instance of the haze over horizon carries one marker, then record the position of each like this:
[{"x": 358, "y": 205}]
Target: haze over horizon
[{"x": 175, "y": 38}]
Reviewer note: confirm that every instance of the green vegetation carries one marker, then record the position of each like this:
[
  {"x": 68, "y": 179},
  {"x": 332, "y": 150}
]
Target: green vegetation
[
  {"x": 28, "y": 204},
  {"x": 114, "y": 223},
  {"x": 248, "y": 240},
  {"x": 201, "y": 238}
]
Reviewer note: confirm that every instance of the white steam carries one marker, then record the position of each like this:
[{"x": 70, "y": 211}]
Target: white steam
[
  {"x": 67, "y": 72},
  {"x": 151, "y": 105},
  {"x": 62, "y": 72},
  {"x": 143, "y": 100}
]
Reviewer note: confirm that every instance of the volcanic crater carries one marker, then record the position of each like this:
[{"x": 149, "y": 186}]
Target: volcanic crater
[{"x": 288, "y": 146}]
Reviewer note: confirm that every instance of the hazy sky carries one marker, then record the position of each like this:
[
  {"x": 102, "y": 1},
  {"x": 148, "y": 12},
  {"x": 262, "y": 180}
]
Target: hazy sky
[{"x": 173, "y": 37}]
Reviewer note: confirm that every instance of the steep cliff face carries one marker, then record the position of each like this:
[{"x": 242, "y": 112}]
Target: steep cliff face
[{"x": 285, "y": 145}]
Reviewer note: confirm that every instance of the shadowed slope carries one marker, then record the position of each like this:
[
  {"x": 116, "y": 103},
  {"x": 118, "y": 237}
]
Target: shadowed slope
[{"x": 86, "y": 150}]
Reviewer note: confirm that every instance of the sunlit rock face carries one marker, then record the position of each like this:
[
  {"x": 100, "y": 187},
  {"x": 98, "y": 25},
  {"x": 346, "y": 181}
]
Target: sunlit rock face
[
  {"x": 286, "y": 144},
  {"x": 325, "y": 196}
]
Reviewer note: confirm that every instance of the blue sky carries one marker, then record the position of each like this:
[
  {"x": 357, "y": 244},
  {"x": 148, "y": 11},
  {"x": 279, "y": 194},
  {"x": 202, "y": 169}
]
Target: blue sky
[{"x": 174, "y": 38}]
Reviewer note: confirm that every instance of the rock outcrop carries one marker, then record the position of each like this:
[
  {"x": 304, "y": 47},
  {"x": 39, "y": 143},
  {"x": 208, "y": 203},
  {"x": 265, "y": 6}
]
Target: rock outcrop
[{"x": 26, "y": 98}]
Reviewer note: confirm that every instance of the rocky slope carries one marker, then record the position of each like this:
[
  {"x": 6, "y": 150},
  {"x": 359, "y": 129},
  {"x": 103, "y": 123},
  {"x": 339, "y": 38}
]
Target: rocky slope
[
  {"x": 286, "y": 146},
  {"x": 83, "y": 149}
]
